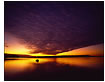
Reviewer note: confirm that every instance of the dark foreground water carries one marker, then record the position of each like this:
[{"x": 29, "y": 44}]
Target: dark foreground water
[{"x": 53, "y": 69}]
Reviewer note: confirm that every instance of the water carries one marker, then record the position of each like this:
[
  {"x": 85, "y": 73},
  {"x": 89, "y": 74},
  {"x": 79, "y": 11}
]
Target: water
[{"x": 53, "y": 69}]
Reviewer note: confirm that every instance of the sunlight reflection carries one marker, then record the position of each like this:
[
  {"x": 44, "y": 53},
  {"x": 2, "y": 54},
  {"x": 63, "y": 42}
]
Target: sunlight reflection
[
  {"x": 82, "y": 62},
  {"x": 24, "y": 64},
  {"x": 21, "y": 65}
]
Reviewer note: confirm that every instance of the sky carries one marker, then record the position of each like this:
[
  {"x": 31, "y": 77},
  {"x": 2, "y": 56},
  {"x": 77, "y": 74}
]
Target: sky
[{"x": 54, "y": 27}]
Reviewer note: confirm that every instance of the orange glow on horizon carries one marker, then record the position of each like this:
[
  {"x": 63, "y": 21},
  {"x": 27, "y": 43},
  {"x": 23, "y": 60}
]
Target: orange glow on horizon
[
  {"x": 90, "y": 50},
  {"x": 93, "y": 50},
  {"x": 15, "y": 46}
]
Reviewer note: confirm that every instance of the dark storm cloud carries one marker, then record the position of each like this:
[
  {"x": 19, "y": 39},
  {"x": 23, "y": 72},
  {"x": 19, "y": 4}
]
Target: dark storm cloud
[{"x": 54, "y": 27}]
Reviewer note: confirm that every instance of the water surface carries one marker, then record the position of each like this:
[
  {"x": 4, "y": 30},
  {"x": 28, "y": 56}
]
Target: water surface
[{"x": 76, "y": 68}]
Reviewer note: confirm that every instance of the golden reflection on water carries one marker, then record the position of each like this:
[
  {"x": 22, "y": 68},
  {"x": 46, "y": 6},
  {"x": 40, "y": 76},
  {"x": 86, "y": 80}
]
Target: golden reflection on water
[
  {"x": 91, "y": 62},
  {"x": 29, "y": 64},
  {"x": 24, "y": 64}
]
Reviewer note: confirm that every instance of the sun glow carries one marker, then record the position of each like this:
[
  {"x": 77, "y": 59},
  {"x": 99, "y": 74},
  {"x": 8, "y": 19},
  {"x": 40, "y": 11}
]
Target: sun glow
[
  {"x": 94, "y": 50},
  {"x": 90, "y": 50},
  {"x": 16, "y": 48},
  {"x": 14, "y": 45}
]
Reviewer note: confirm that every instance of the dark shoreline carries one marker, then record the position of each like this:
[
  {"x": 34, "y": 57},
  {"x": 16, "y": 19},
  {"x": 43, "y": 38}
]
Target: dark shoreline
[{"x": 28, "y": 56}]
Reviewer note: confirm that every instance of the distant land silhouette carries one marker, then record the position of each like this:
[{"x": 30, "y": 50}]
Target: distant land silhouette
[{"x": 55, "y": 56}]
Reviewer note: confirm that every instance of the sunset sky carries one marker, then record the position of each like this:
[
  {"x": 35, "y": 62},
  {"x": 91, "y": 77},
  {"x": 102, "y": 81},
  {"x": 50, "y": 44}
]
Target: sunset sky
[{"x": 54, "y": 28}]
